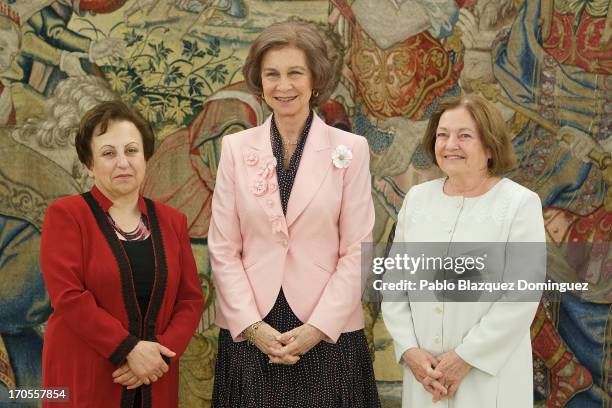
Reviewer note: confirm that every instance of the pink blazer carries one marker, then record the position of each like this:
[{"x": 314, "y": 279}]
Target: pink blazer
[{"x": 313, "y": 253}]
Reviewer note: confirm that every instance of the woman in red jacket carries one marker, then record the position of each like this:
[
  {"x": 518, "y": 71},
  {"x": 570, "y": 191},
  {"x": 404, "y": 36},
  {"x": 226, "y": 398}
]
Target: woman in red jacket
[{"x": 120, "y": 274}]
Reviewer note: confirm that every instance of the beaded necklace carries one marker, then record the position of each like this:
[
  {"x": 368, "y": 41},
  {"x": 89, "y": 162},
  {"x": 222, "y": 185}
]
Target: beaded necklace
[{"x": 140, "y": 233}]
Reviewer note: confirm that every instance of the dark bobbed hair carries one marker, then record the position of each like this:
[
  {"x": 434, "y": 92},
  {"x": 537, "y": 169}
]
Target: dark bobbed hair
[{"x": 97, "y": 120}]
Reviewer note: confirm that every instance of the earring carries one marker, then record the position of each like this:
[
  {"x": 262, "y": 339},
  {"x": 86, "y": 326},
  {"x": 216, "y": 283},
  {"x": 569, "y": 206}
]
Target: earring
[{"x": 315, "y": 93}]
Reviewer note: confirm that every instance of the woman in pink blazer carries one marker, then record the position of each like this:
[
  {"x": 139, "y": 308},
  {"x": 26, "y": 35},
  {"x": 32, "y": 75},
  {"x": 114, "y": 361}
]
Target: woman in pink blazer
[{"x": 291, "y": 207}]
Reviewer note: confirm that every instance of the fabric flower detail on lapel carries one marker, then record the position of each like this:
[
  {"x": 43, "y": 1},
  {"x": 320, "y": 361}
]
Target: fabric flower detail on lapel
[
  {"x": 272, "y": 187},
  {"x": 266, "y": 170},
  {"x": 259, "y": 187},
  {"x": 277, "y": 223},
  {"x": 342, "y": 156},
  {"x": 251, "y": 158}
]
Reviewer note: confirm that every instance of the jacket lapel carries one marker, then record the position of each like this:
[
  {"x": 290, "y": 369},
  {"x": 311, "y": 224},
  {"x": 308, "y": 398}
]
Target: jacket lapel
[
  {"x": 314, "y": 165},
  {"x": 260, "y": 165}
]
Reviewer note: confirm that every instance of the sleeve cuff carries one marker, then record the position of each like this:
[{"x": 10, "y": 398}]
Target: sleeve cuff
[
  {"x": 240, "y": 328},
  {"x": 400, "y": 350},
  {"x": 331, "y": 335},
  {"x": 123, "y": 349},
  {"x": 464, "y": 352}
]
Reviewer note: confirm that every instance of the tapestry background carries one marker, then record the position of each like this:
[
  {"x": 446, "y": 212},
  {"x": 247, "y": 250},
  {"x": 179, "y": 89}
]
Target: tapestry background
[{"x": 546, "y": 64}]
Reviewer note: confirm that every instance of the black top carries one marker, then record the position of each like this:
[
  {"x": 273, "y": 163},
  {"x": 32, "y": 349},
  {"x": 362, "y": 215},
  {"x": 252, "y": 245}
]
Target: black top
[
  {"x": 142, "y": 263},
  {"x": 287, "y": 176}
]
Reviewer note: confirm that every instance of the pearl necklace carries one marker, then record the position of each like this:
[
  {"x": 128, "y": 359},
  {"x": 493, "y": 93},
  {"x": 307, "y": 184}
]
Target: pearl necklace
[{"x": 286, "y": 145}]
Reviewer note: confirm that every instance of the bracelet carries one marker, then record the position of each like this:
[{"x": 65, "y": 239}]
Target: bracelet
[{"x": 250, "y": 332}]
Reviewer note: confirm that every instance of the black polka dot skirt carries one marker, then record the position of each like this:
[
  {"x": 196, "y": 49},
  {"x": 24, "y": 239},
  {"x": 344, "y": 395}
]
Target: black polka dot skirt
[{"x": 328, "y": 376}]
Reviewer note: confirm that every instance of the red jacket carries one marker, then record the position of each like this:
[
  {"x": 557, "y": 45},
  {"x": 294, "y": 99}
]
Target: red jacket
[{"x": 96, "y": 320}]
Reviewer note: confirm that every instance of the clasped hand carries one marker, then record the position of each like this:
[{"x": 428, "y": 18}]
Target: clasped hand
[
  {"x": 440, "y": 376},
  {"x": 144, "y": 365},
  {"x": 286, "y": 348}
]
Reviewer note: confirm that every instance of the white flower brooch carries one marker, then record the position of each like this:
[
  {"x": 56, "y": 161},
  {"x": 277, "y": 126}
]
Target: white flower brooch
[{"x": 341, "y": 157}]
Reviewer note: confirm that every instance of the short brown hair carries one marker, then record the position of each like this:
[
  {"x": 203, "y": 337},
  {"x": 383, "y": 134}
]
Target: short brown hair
[
  {"x": 99, "y": 117},
  {"x": 300, "y": 35},
  {"x": 492, "y": 128}
]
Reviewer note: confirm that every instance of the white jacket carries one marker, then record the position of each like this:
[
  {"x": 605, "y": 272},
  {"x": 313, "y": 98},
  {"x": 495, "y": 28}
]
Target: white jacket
[{"x": 493, "y": 337}]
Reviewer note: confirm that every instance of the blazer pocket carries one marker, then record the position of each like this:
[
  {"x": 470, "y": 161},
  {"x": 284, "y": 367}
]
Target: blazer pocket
[
  {"x": 250, "y": 264},
  {"x": 326, "y": 267}
]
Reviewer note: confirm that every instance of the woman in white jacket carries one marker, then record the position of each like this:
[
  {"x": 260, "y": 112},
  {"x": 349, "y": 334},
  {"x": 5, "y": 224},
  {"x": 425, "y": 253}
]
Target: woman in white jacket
[{"x": 467, "y": 354}]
